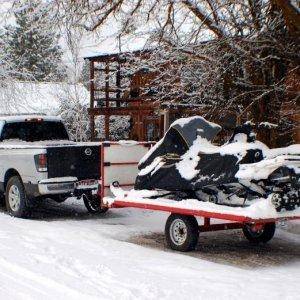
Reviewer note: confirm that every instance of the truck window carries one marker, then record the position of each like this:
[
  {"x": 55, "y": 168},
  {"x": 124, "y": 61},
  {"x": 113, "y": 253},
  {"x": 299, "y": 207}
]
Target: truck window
[{"x": 34, "y": 131}]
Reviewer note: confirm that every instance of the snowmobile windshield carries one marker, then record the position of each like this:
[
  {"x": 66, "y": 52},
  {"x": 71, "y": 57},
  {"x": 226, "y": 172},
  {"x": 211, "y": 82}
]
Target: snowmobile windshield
[{"x": 191, "y": 128}]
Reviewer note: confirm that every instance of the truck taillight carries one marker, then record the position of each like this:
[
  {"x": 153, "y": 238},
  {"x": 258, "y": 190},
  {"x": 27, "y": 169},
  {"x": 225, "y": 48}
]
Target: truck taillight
[{"x": 41, "y": 162}]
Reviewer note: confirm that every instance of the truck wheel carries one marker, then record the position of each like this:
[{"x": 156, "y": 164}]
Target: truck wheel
[
  {"x": 92, "y": 204},
  {"x": 15, "y": 198},
  {"x": 182, "y": 232},
  {"x": 259, "y": 235}
]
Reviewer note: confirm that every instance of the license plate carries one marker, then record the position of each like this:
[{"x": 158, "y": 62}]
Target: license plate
[{"x": 88, "y": 184}]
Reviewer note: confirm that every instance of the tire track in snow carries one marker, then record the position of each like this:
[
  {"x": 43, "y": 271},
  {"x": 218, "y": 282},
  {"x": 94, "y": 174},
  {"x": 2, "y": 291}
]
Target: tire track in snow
[
  {"x": 43, "y": 281},
  {"x": 21, "y": 285}
]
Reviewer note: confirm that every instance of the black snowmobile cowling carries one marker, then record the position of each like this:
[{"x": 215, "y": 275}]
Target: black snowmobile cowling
[
  {"x": 180, "y": 137},
  {"x": 186, "y": 160}
]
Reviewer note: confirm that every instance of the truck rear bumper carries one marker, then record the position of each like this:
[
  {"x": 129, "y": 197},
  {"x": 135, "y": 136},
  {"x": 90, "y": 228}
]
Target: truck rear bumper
[
  {"x": 56, "y": 188},
  {"x": 53, "y": 186}
]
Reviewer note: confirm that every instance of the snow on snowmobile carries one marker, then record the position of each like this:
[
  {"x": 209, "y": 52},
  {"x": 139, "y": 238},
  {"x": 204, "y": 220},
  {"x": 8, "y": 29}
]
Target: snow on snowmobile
[{"x": 186, "y": 164}]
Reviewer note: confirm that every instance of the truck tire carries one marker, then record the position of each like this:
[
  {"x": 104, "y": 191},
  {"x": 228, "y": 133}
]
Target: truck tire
[
  {"x": 262, "y": 236},
  {"x": 92, "y": 204},
  {"x": 16, "y": 198},
  {"x": 2, "y": 200},
  {"x": 182, "y": 232}
]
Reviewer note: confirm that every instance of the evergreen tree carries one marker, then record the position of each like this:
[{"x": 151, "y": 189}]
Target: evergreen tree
[
  {"x": 85, "y": 74},
  {"x": 32, "y": 44}
]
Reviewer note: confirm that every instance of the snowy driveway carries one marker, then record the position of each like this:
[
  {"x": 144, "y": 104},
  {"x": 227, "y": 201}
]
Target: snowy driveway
[{"x": 65, "y": 253}]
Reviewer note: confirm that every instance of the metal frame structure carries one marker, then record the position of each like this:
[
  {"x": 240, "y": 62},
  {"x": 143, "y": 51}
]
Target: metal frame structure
[{"x": 111, "y": 94}]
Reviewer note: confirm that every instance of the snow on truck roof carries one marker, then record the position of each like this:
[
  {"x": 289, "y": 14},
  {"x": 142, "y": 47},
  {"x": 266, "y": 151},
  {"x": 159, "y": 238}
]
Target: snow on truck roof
[{"x": 24, "y": 117}]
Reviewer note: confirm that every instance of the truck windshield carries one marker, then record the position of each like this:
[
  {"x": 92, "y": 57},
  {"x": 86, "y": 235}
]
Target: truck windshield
[{"x": 34, "y": 131}]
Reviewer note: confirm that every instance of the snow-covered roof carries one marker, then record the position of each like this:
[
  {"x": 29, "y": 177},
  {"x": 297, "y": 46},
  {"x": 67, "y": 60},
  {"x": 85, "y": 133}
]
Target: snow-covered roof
[
  {"x": 114, "y": 53},
  {"x": 97, "y": 54},
  {"x": 18, "y": 97}
]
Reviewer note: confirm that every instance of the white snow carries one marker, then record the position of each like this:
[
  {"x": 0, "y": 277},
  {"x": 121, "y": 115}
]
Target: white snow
[
  {"x": 239, "y": 149},
  {"x": 260, "y": 209},
  {"x": 59, "y": 180},
  {"x": 132, "y": 194},
  {"x": 84, "y": 257},
  {"x": 24, "y": 117},
  {"x": 290, "y": 150},
  {"x": 127, "y": 142},
  {"x": 153, "y": 167},
  {"x": 240, "y": 137},
  {"x": 262, "y": 169},
  {"x": 183, "y": 121},
  {"x": 268, "y": 125},
  {"x": 17, "y": 144},
  {"x": 187, "y": 166},
  {"x": 190, "y": 159}
]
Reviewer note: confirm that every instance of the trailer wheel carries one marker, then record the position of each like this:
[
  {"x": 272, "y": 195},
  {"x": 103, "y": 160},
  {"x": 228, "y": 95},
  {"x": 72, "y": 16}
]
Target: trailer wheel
[
  {"x": 16, "y": 198},
  {"x": 182, "y": 232},
  {"x": 92, "y": 204},
  {"x": 259, "y": 235}
]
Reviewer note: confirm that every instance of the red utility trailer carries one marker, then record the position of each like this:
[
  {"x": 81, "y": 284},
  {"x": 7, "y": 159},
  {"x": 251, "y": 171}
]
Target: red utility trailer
[
  {"x": 119, "y": 161},
  {"x": 182, "y": 229}
]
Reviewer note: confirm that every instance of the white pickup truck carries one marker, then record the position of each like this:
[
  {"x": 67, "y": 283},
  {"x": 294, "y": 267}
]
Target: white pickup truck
[{"x": 38, "y": 160}]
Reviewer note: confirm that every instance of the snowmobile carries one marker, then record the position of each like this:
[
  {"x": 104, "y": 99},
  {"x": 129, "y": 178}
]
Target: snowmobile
[{"x": 186, "y": 164}]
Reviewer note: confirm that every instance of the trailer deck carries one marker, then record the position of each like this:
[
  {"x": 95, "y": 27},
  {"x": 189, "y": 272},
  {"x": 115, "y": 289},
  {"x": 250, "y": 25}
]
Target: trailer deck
[{"x": 257, "y": 221}]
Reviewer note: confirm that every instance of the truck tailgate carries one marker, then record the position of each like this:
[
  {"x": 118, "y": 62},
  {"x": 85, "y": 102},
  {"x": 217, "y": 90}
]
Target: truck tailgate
[{"x": 82, "y": 162}]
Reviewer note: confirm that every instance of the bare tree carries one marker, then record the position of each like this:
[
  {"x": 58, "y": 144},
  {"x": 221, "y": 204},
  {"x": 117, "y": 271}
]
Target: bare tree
[{"x": 239, "y": 55}]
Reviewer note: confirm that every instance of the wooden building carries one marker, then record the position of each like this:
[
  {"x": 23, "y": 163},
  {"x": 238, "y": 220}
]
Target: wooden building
[{"x": 115, "y": 91}]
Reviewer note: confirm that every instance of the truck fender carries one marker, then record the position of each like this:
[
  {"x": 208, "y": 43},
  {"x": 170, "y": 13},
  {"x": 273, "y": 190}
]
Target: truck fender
[{"x": 10, "y": 173}]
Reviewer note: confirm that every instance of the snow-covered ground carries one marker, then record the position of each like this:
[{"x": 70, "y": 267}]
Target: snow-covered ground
[{"x": 65, "y": 253}]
